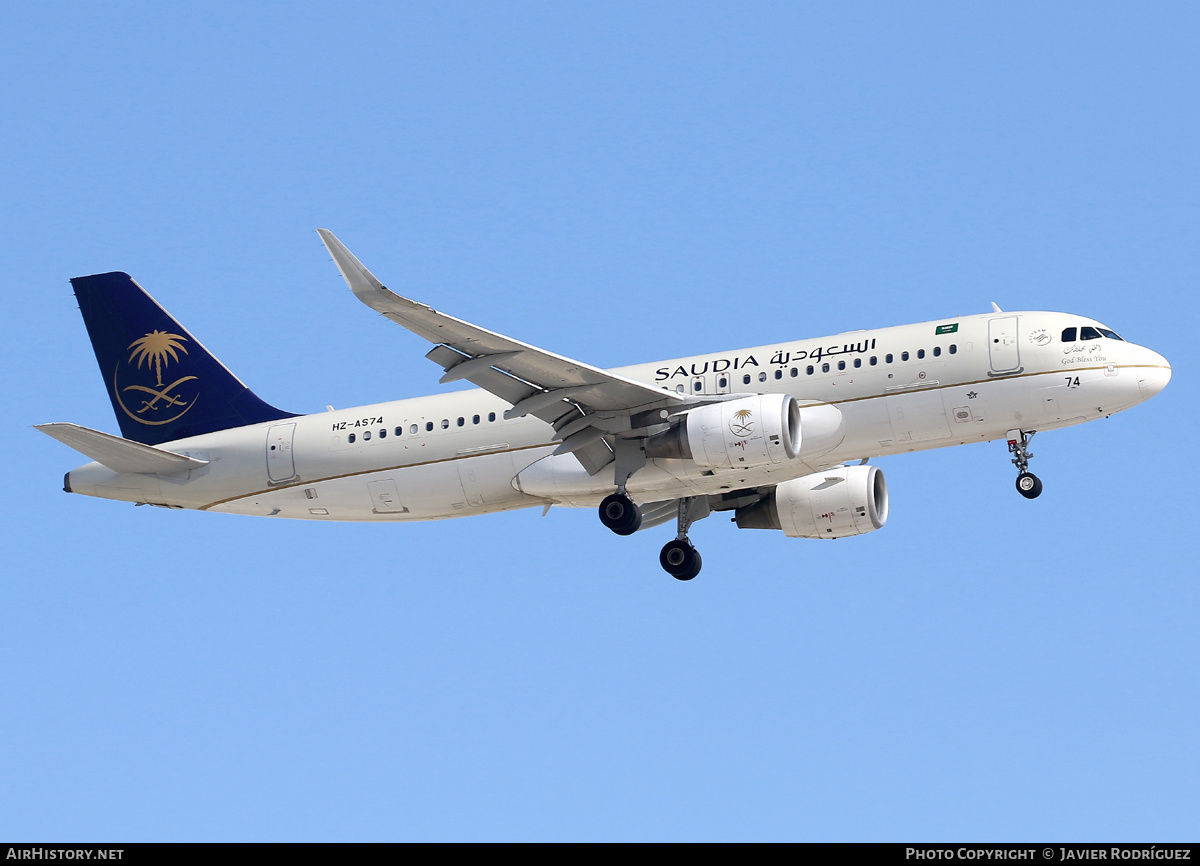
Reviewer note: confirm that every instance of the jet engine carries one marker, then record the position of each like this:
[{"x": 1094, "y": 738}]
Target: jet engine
[
  {"x": 760, "y": 430},
  {"x": 847, "y": 500},
  {"x": 750, "y": 431}
]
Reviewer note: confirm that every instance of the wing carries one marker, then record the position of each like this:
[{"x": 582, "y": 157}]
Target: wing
[{"x": 583, "y": 403}]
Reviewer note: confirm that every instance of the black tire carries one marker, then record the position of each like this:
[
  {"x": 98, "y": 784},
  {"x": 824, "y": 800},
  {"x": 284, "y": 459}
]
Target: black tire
[
  {"x": 1029, "y": 485},
  {"x": 620, "y": 514},
  {"x": 680, "y": 560}
]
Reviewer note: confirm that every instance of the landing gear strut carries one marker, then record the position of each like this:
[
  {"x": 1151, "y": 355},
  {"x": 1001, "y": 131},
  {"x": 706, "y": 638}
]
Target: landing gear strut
[
  {"x": 1028, "y": 484},
  {"x": 678, "y": 558}
]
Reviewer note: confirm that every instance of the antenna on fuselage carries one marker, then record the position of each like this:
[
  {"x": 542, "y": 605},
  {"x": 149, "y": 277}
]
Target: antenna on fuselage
[{"x": 996, "y": 307}]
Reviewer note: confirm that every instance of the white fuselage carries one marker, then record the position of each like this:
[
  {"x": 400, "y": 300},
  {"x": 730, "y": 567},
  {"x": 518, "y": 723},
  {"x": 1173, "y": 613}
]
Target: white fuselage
[{"x": 898, "y": 389}]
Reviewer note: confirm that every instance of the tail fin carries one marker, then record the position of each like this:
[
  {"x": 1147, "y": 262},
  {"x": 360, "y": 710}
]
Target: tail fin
[{"x": 164, "y": 385}]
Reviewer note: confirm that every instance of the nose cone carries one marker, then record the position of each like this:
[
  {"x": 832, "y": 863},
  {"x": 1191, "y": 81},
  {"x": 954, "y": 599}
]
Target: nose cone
[{"x": 1153, "y": 374}]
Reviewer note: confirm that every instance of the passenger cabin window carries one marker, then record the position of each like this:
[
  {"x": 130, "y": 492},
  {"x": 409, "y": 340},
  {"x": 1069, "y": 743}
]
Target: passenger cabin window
[
  {"x": 779, "y": 374},
  {"x": 904, "y": 356},
  {"x": 762, "y": 377},
  {"x": 795, "y": 372},
  {"x": 874, "y": 360},
  {"x": 888, "y": 358},
  {"x": 680, "y": 387},
  {"x": 841, "y": 365},
  {"x": 412, "y": 428},
  {"x": 808, "y": 371},
  {"x": 383, "y": 433},
  {"x": 445, "y": 423},
  {"x": 366, "y": 435},
  {"x": 858, "y": 362},
  {"x": 746, "y": 379},
  {"x": 491, "y": 416},
  {"x": 350, "y": 438},
  {"x": 475, "y": 419},
  {"x": 723, "y": 382},
  {"x": 937, "y": 351},
  {"x": 400, "y": 430},
  {"x": 697, "y": 386},
  {"x": 1068, "y": 335},
  {"x": 953, "y": 348},
  {"x": 429, "y": 426},
  {"x": 825, "y": 368},
  {"x": 461, "y": 421},
  {"x": 920, "y": 353}
]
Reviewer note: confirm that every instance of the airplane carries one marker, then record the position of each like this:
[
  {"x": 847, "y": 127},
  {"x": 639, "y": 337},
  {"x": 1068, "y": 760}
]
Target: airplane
[{"x": 778, "y": 435}]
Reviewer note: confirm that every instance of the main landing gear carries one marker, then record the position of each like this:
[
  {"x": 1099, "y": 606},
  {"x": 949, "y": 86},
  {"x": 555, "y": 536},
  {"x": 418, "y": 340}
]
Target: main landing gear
[
  {"x": 1028, "y": 484},
  {"x": 680, "y": 560},
  {"x": 678, "y": 557},
  {"x": 619, "y": 514}
]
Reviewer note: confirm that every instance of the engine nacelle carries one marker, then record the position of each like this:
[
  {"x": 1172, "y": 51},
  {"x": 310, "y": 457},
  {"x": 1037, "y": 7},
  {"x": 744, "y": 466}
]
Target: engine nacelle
[
  {"x": 847, "y": 500},
  {"x": 760, "y": 430},
  {"x": 750, "y": 431}
]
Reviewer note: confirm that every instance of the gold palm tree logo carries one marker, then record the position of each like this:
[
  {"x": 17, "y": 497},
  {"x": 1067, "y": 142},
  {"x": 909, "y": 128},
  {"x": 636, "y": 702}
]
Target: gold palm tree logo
[
  {"x": 740, "y": 423},
  {"x": 154, "y": 349}
]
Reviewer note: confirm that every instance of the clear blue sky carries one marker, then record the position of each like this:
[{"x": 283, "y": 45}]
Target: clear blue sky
[{"x": 617, "y": 182}]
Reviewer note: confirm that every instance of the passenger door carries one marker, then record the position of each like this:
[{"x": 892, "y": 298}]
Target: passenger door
[
  {"x": 281, "y": 466},
  {"x": 1003, "y": 350}
]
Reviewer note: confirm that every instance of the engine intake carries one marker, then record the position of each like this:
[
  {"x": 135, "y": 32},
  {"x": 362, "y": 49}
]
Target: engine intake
[{"x": 848, "y": 500}]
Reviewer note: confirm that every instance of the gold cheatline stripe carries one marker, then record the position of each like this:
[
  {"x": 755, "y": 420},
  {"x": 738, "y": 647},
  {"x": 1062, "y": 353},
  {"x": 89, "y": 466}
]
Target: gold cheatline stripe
[{"x": 547, "y": 444}]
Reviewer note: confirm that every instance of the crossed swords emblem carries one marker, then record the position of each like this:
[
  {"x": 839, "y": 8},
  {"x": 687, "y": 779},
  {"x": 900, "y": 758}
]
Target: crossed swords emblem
[{"x": 171, "y": 399}]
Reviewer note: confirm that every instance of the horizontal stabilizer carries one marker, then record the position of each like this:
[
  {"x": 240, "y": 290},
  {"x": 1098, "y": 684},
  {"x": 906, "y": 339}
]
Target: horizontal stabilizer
[{"x": 119, "y": 455}]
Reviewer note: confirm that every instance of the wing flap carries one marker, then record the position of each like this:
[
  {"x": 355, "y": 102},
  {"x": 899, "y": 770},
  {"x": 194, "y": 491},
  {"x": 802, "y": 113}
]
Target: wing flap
[{"x": 119, "y": 455}]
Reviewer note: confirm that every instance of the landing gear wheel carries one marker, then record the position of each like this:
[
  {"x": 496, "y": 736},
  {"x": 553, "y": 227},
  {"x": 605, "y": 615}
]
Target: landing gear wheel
[
  {"x": 619, "y": 514},
  {"x": 680, "y": 560},
  {"x": 1029, "y": 485}
]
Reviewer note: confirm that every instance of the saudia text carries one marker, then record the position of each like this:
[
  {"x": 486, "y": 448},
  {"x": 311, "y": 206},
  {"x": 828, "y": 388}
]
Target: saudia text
[{"x": 780, "y": 358}]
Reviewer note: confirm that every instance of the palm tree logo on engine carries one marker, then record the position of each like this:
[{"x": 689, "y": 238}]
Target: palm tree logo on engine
[
  {"x": 154, "y": 404},
  {"x": 742, "y": 423}
]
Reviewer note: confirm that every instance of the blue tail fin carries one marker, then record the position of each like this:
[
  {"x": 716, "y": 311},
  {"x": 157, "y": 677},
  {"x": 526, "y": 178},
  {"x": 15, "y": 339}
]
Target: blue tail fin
[{"x": 164, "y": 385}]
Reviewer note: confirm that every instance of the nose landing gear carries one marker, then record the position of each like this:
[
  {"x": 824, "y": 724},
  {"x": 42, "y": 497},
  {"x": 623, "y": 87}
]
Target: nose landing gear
[{"x": 1028, "y": 484}]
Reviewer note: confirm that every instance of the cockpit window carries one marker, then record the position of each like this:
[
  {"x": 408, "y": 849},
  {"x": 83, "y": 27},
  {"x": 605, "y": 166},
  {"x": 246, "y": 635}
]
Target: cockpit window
[{"x": 1089, "y": 333}]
